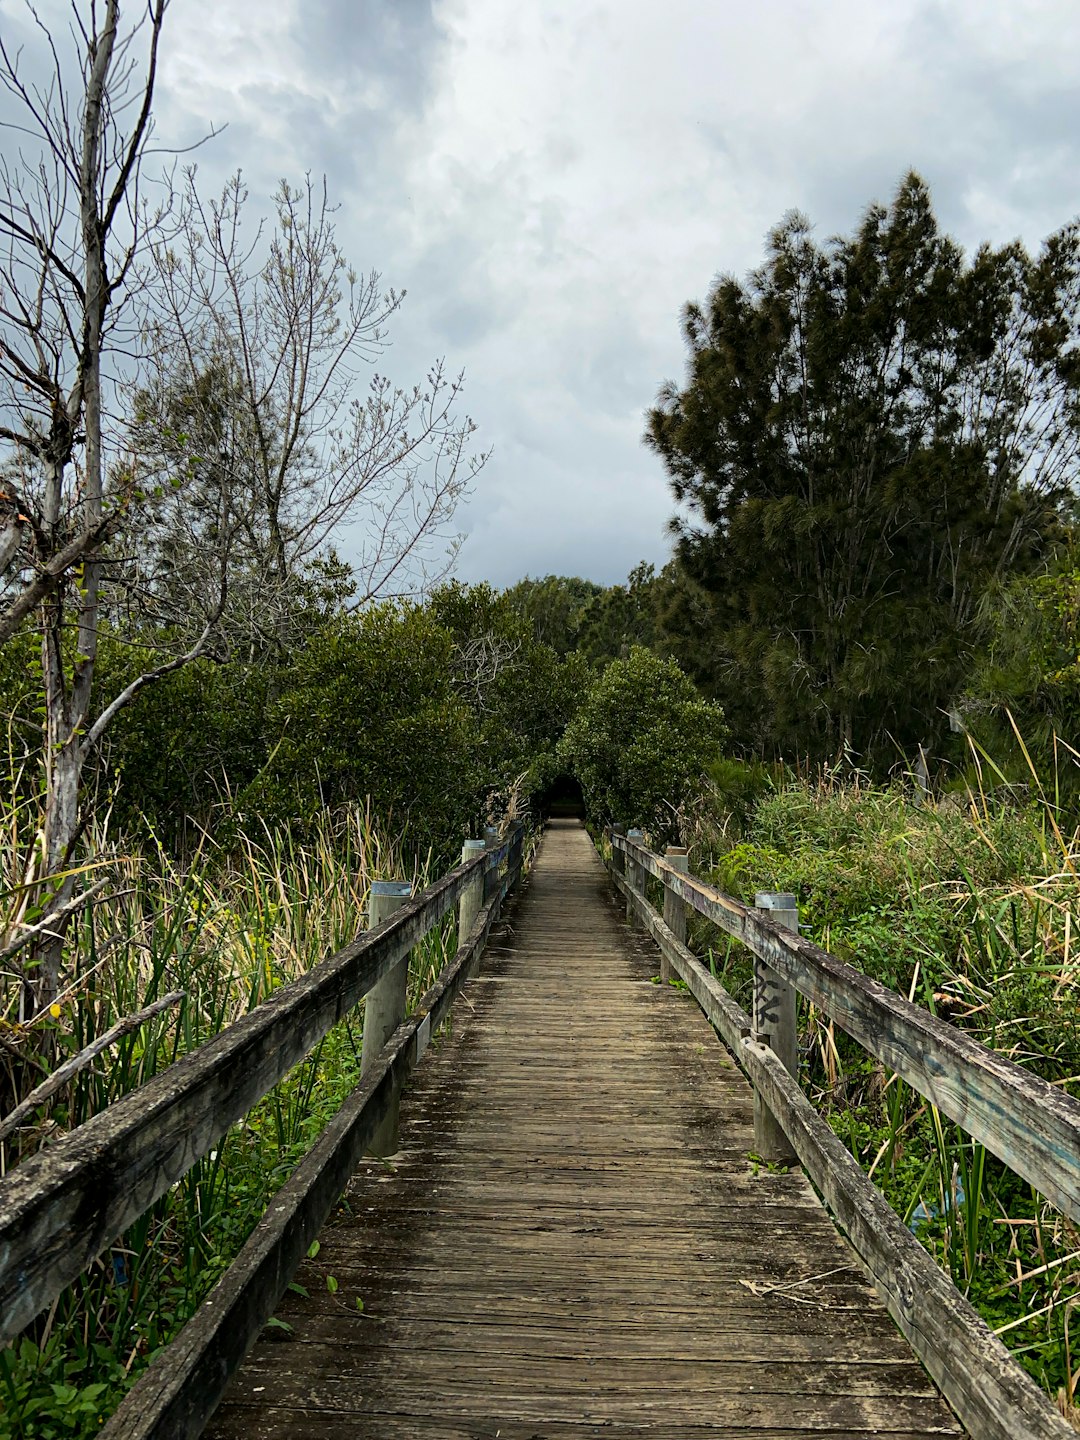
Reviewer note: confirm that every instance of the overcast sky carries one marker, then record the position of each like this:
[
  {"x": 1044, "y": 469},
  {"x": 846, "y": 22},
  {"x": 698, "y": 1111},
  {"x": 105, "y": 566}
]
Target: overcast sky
[{"x": 551, "y": 180}]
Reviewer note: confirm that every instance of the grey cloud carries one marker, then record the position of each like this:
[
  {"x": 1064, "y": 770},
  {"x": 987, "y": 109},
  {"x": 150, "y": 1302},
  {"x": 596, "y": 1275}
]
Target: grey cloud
[
  {"x": 393, "y": 45},
  {"x": 552, "y": 181}
]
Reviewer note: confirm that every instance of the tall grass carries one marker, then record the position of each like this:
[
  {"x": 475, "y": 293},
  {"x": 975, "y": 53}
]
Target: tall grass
[
  {"x": 226, "y": 928},
  {"x": 969, "y": 906}
]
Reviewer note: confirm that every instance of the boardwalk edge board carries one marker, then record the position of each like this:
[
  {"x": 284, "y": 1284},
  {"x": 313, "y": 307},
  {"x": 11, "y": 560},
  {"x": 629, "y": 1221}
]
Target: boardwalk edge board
[
  {"x": 176, "y": 1396},
  {"x": 992, "y": 1396},
  {"x": 1031, "y": 1125},
  {"x": 60, "y": 1208}
]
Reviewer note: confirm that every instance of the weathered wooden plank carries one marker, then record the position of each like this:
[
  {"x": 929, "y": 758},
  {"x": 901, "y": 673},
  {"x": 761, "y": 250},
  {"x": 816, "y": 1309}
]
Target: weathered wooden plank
[
  {"x": 1029, "y": 1124},
  {"x": 560, "y": 1284},
  {"x": 512, "y": 1370},
  {"x": 273, "y": 1422},
  {"x": 360, "y": 1339},
  {"x": 174, "y": 1399},
  {"x": 661, "y": 1318},
  {"x": 599, "y": 1400},
  {"x": 985, "y": 1386},
  {"x": 59, "y": 1208}
]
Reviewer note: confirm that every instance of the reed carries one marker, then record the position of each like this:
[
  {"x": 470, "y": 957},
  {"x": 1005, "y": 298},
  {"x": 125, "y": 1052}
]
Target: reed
[{"x": 227, "y": 928}]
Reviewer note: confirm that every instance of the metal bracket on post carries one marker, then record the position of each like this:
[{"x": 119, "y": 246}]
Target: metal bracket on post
[
  {"x": 678, "y": 857},
  {"x": 635, "y": 876},
  {"x": 384, "y": 1005},
  {"x": 774, "y": 1026}
]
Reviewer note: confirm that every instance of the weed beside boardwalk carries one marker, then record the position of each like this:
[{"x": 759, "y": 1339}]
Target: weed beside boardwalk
[
  {"x": 970, "y": 907},
  {"x": 227, "y": 929}
]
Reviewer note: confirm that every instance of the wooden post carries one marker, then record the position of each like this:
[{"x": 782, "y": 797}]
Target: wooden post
[
  {"x": 674, "y": 906},
  {"x": 517, "y": 856},
  {"x": 774, "y": 1025},
  {"x": 636, "y": 877},
  {"x": 618, "y": 857},
  {"x": 384, "y": 1005},
  {"x": 473, "y": 897},
  {"x": 492, "y": 841}
]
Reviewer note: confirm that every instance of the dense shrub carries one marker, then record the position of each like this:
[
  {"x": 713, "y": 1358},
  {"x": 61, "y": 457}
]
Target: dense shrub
[{"x": 641, "y": 741}]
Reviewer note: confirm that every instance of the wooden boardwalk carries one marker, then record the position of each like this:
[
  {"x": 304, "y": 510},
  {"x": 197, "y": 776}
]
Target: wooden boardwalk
[{"x": 573, "y": 1240}]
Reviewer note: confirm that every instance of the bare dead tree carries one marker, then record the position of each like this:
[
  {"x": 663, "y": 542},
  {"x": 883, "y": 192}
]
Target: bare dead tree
[
  {"x": 72, "y": 231},
  {"x": 265, "y": 342},
  {"x": 185, "y": 412}
]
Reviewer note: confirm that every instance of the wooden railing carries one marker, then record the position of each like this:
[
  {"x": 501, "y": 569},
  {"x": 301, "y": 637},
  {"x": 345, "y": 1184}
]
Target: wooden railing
[
  {"x": 1029, "y": 1124},
  {"x": 60, "y": 1208}
]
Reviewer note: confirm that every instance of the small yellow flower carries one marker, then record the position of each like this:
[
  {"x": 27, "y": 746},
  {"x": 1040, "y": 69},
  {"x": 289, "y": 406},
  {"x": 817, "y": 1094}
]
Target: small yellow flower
[{"x": 54, "y": 1010}]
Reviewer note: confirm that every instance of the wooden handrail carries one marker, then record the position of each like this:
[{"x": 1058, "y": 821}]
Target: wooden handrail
[
  {"x": 60, "y": 1208},
  {"x": 1031, "y": 1125},
  {"x": 178, "y": 1393},
  {"x": 993, "y": 1397}
]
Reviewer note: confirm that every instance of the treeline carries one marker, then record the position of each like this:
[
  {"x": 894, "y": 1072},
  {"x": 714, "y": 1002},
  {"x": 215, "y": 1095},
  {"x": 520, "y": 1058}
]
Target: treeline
[
  {"x": 875, "y": 454},
  {"x": 431, "y": 712},
  {"x": 437, "y": 714},
  {"x": 1013, "y": 709}
]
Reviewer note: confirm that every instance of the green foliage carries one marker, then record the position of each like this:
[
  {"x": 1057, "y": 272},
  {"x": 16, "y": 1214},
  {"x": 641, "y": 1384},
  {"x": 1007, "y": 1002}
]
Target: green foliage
[
  {"x": 425, "y": 710},
  {"x": 555, "y": 608},
  {"x": 641, "y": 741},
  {"x": 1026, "y": 681},
  {"x": 969, "y": 908},
  {"x": 176, "y": 753},
  {"x": 738, "y": 786},
  {"x": 881, "y": 883},
  {"x": 848, "y": 502},
  {"x": 519, "y": 690},
  {"x": 596, "y": 622},
  {"x": 367, "y": 710}
]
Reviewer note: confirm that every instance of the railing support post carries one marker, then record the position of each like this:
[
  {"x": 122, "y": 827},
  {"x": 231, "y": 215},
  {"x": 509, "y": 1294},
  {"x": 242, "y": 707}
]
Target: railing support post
[
  {"x": 635, "y": 876},
  {"x": 473, "y": 897},
  {"x": 492, "y": 841},
  {"x": 618, "y": 857},
  {"x": 674, "y": 905},
  {"x": 774, "y": 1025},
  {"x": 384, "y": 1005},
  {"x": 516, "y": 857}
]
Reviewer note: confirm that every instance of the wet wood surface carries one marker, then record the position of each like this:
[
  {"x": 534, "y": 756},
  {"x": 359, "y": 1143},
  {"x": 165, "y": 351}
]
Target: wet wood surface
[{"x": 574, "y": 1238}]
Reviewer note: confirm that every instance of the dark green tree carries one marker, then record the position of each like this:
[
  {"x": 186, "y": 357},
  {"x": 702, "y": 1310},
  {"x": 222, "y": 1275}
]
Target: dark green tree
[
  {"x": 599, "y": 622},
  {"x": 641, "y": 741},
  {"x": 620, "y": 617},
  {"x": 872, "y": 430},
  {"x": 521, "y": 693},
  {"x": 555, "y": 607}
]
